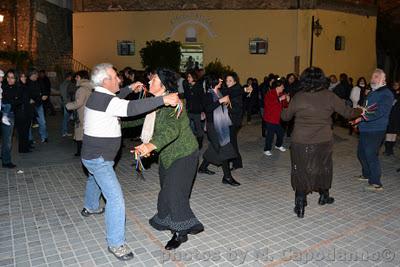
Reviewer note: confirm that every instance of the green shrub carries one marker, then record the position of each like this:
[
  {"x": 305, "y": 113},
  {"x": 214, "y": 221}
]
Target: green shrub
[
  {"x": 216, "y": 67},
  {"x": 163, "y": 53}
]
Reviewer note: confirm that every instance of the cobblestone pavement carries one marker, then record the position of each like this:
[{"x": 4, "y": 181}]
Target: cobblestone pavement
[{"x": 250, "y": 225}]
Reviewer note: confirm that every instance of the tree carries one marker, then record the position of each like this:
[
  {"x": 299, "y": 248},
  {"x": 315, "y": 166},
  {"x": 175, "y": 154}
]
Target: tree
[
  {"x": 216, "y": 67},
  {"x": 163, "y": 53}
]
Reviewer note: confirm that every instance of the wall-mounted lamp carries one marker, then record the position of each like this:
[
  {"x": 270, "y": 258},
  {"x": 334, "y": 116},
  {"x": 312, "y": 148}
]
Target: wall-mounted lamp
[
  {"x": 317, "y": 28},
  {"x": 1, "y": 18}
]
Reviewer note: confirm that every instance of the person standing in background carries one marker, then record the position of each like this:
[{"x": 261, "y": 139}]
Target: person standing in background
[
  {"x": 67, "y": 91},
  {"x": 394, "y": 121},
  {"x": 45, "y": 87},
  {"x": 39, "y": 96},
  {"x": 9, "y": 94},
  {"x": 23, "y": 114},
  {"x": 193, "y": 94},
  {"x": 81, "y": 96}
]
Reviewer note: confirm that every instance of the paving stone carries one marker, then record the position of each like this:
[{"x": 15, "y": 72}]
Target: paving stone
[{"x": 40, "y": 221}]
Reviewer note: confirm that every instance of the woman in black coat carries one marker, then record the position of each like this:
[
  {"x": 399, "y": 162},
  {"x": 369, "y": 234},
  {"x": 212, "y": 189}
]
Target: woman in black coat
[
  {"x": 23, "y": 114},
  {"x": 220, "y": 149},
  {"x": 193, "y": 93},
  {"x": 394, "y": 121},
  {"x": 235, "y": 92}
]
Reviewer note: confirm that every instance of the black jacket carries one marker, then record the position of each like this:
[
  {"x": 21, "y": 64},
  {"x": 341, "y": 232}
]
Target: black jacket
[
  {"x": 236, "y": 96},
  {"x": 209, "y": 105},
  {"x": 23, "y": 108},
  {"x": 45, "y": 86},
  {"x": 9, "y": 95},
  {"x": 193, "y": 95},
  {"x": 343, "y": 90},
  {"x": 35, "y": 92}
]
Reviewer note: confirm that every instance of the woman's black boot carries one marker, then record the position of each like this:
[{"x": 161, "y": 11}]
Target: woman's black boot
[
  {"x": 324, "y": 197},
  {"x": 228, "y": 179},
  {"x": 300, "y": 203}
]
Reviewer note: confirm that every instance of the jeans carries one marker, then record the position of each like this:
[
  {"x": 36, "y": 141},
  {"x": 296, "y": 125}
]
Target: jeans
[
  {"x": 368, "y": 154},
  {"x": 6, "y": 134},
  {"x": 64, "y": 126},
  {"x": 103, "y": 180},
  {"x": 42, "y": 123},
  {"x": 273, "y": 129}
]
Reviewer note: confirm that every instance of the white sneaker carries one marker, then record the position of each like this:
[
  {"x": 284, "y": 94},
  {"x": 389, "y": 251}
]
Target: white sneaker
[
  {"x": 281, "y": 148},
  {"x": 268, "y": 153}
]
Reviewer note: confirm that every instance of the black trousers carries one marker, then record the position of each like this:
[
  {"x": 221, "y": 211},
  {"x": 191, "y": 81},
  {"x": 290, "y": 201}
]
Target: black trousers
[
  {"x": 273, "y": 129},
  {"x": 23, "y": 124},
  {"x": 236, "y": 162},
  {"x": 173, "y": 206}
]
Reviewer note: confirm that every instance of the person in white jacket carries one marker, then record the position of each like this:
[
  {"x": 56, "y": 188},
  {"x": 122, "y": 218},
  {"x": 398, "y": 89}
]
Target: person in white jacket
[{"x": 357, "y": 92}]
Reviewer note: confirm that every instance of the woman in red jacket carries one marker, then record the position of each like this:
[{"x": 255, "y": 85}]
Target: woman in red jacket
[{"x": 274, "y": 102}]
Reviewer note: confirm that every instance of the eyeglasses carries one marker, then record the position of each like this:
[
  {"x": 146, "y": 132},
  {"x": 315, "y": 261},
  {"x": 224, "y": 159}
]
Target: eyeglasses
[{"x": 13, "y": 78}]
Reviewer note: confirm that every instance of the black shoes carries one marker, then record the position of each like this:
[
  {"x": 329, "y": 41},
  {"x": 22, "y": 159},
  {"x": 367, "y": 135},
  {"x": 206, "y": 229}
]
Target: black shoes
[
  {"x": 176, "y": 240},
  {"x": 206, "y": 171},
  {"x": 324, "y": 198},
  {"x": 299, "y": 207},
  {"x": 230, "y": 181},
  {"x": 86, "y": 213},
  {"x": 9, "y": 165},
  {"x": 300, "y": 204}
]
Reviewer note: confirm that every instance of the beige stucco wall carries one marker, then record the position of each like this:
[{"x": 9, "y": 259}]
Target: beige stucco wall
[{"x": 225, "y": 35}]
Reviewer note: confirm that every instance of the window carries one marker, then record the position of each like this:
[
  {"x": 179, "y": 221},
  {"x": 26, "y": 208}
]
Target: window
[
  {"x": 258, "y": 46},
  {"x": 126, "y": 48}
]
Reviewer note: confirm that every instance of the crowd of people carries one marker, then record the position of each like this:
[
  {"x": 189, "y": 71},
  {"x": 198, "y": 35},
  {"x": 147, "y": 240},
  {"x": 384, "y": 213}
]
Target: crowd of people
[{"x": 178, "y": 111}]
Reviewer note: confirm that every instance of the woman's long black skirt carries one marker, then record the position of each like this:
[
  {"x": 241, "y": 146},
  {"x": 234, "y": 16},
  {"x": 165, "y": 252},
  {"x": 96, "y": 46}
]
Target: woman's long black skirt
[
  {"x": 216, "y": 154},
  {"x": 173, "y": 207},
  {"x": 311, "y": 167}
]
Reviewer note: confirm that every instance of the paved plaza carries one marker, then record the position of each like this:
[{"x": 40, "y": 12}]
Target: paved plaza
[{"x": 250, "y": 225}]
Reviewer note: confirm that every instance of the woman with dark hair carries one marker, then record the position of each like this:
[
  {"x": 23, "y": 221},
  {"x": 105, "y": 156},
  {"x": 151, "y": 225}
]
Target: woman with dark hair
[
  {"x": 9, "y": 95},
  {"x": 357, "y": 94},
  {"x": 235, "y": 92},
  {"x": 192, "y": 92},
  {"x": 274, "y": 102},
  {"x": 81, "y": 96},
  {"x": 311, "y": 148},
  {"x": 220, "y": 149},
  {"x": 291, "y": 84},
  {"x": 24, "y": 112},
  {"x": 250, "y": 98},
  {"x": 173, "y": 139}
]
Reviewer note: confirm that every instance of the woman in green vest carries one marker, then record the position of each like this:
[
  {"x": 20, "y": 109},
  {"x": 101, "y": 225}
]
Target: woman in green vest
[{"x": 167, "y": 131}]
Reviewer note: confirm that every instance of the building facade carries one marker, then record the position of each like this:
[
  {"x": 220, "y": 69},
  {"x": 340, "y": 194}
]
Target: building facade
[
  {"x": 253, "y": 37},
  {"x": 41, "y": 27}
]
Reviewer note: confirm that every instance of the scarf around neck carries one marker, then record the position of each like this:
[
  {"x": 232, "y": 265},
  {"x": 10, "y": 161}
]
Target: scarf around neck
[{"x": 222, "y": 121}]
